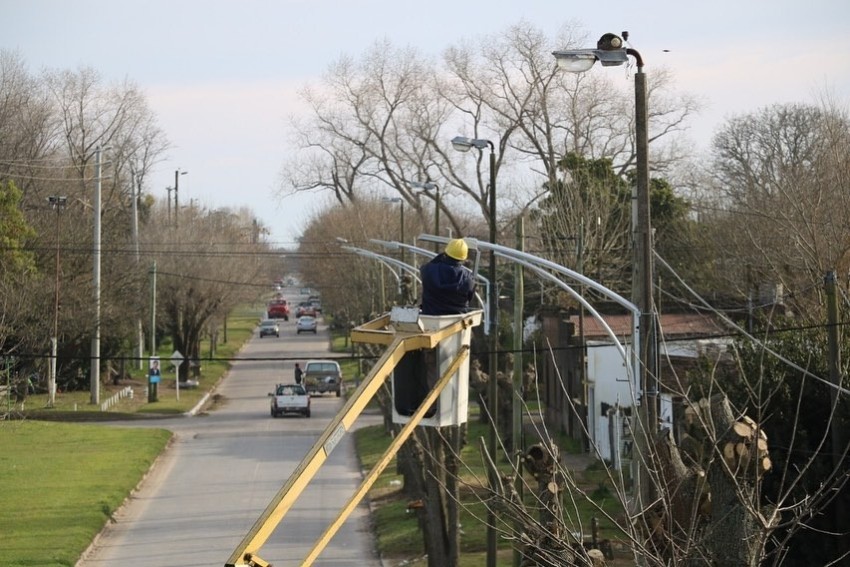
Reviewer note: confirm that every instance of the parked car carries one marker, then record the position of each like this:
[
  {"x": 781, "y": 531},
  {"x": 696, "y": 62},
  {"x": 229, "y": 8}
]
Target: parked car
[
  {"x": 306, "y": 324},
  {"x": 323, "y": 376},
  {"x": 290, "y": 398},
  {"x": 269, "y": 327}
]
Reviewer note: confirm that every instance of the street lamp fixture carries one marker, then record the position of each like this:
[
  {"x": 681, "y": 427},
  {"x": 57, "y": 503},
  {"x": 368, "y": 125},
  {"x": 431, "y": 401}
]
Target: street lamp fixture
[
  {"x": 610, "y": 52},
  {"x": 463, "y": 144}
]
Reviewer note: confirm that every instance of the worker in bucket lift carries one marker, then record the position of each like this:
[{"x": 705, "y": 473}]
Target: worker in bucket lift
[{"x": 447, "y": 285}]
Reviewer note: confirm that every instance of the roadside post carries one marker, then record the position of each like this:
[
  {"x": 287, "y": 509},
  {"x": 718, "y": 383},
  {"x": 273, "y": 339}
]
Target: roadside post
[
  {"x": 153, "y": 378},
  {"x": 177, "y": 360}
]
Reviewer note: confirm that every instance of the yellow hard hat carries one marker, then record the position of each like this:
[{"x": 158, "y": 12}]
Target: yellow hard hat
[{"x": 457, "y": 249}]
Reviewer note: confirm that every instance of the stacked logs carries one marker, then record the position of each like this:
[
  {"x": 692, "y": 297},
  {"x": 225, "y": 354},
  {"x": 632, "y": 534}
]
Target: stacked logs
[{"x": 749, "y": 446}]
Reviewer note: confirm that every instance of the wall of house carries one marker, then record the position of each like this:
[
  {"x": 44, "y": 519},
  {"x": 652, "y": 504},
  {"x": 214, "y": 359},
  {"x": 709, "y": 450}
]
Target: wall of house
[{"x": 609, "y": 385}]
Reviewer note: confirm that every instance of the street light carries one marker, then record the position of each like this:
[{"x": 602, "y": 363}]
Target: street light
[
  {"x": 400, "y": 201},
  {"x": 610, "y": 52},
  {"x": 177, "y": 174},
  {"x": 426, "y": 187},
  {"x": 169, "y": 189},
  {"x": 463, "y": 144},
  {"x": 57, "y": 203}
]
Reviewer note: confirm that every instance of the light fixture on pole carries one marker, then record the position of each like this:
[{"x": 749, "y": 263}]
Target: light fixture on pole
[
  {"x": 426, "y": 187},
  {"x": 57, "y": 203},
  {"x": 610, "y": 52},
  {"x": 463, "y": 144}
]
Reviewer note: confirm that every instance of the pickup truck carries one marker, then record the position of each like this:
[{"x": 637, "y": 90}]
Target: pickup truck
[
  {"x": 323, "y": 376},
  {"x": 290, "y": 398},
  {"x": 278, "y": 309}
]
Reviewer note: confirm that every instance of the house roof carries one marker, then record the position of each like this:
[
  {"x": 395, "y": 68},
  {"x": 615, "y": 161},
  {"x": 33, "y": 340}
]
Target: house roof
[{"x": 671, "y": 324}]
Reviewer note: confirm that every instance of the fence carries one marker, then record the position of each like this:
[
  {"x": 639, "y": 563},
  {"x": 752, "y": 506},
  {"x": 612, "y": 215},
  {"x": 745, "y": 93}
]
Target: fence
[{"x": 126, "y": 392}]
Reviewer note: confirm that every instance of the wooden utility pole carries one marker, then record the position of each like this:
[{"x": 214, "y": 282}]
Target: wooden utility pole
[{"x": 836, "y": 416}]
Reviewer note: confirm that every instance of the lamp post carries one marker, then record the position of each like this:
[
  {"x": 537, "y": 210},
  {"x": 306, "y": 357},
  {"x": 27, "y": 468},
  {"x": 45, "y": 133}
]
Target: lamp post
[
  {"x": 463, "y": 144},
  {"x": 168, "y": 203},
  {"x": 400, "y": 201},
  {"x": 177, "y": 174},
  {"x": 610, "y": 52},
  {"x": 426, "y": 187},
  {"x": 57, "y": 203}
]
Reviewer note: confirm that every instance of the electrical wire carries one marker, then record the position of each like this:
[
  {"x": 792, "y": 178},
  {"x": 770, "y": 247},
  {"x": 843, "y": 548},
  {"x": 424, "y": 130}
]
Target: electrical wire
[{"x": 840, "y": 389}]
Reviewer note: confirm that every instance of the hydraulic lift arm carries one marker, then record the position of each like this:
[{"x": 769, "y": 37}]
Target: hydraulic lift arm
[{"x": 399, "y": 344}]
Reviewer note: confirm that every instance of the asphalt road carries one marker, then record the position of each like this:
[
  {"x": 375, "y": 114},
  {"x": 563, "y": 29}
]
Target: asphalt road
[{"x": 224, "y": 467}]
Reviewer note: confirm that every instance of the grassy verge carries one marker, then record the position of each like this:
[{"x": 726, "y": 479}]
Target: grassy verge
[
  {"x": 77, "y": 406},
  {"x": 62, "y": 482}
]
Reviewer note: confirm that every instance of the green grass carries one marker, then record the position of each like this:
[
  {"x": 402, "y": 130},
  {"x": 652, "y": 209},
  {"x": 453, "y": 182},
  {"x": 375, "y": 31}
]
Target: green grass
[{"x": 62, "y": 482}]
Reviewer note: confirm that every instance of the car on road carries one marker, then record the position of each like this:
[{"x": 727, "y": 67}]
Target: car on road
[
  {"x": 278, "y": 308},
  {"x": 269, "y": 327},
  {"x": 323, "y": 377},
  {"x": 290, "y": 398},
  {"x": 306, "y": 324},
  {"x": 305, "y": 308}
]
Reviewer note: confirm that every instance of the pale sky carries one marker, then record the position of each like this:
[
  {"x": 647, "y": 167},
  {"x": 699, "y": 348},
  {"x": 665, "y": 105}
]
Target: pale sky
[{"x": 222, "y": 76}]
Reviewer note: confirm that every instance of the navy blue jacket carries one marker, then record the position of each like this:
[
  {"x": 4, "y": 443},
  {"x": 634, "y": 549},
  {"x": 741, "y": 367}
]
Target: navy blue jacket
[{"x": 447, "y": 286}]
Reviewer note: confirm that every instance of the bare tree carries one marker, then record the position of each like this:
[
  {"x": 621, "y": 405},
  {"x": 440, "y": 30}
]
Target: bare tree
[{"x": 780, "y": 175}]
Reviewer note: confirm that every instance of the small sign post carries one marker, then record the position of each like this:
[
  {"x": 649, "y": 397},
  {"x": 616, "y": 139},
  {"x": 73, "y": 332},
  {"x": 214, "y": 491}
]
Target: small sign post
[
  {"x": 153, "y": 378},
  {"x": 177, "y": 360}
]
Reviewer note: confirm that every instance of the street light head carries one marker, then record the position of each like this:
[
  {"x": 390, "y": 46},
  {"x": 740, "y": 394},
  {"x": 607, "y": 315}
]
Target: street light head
[
  {"x": 575, "y": 60},
  {"x": 462, "y": 144},
  {"x": 391, "y": 199},
  {"x": 426, "y": 185}
]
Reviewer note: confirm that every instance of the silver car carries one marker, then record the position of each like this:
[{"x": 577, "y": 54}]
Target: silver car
[
  {"x": 306, "y": 324},
  {"x": 269, "y": 327}
]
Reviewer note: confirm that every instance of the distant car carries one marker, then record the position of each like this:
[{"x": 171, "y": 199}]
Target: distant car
[
  {"x": 269, "y": 327},
  {"x": 306, "y": 324},
  {"x": 305, "y": 308},
  {"x": 323, "y": 376}
]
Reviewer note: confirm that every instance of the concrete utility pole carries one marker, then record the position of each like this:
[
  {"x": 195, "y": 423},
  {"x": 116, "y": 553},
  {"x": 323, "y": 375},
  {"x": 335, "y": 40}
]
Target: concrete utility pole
[
  {"x": 135, "y": 194},
  {"x": 94, "y": 375},
  {"x": 519, "y": 324},
  {"x": 57, "y": 203}
]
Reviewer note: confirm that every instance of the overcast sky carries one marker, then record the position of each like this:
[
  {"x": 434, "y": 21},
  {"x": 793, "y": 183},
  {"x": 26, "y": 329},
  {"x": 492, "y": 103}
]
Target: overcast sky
[{"x": 222, "y": 76}]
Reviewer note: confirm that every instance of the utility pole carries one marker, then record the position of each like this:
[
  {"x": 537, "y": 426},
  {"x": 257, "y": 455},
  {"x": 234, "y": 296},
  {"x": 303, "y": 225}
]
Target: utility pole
[
  {"x": 516, "y": 407},
  {"x": 168, "y": 203},
  {"x": 94, "y": 376},
  {"x": 57, "y": 203},
  {"x": 135, "y": 194},
  {"x": 152, "y": 386},
  {"x": 836, "y": 415},
  {"x": 177, "y": 174}
]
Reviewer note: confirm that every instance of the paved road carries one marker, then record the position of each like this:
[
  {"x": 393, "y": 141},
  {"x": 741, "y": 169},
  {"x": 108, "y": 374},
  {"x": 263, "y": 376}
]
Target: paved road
[{"x": 225, "y": 466}]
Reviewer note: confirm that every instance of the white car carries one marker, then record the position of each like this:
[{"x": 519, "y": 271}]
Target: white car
[{"x": 306, "y": 324}]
